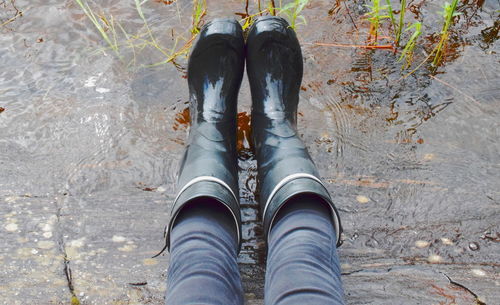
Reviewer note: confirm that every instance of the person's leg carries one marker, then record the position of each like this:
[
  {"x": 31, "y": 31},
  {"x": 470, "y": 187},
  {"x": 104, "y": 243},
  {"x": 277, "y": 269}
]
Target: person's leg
[
  {"x": 203, "y": 235},
  {"x": 302, "y": 262},
  {"x": 203, "y": 251}
]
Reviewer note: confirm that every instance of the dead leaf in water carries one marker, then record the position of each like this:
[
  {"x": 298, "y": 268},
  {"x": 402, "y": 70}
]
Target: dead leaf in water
[{"x": 166, "y": 2}]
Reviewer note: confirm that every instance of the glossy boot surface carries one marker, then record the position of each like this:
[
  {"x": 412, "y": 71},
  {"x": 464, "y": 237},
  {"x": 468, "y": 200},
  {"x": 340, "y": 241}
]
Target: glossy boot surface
[
  {"x": 209, "y": 166},
  {"x": 285, "y": 168}
]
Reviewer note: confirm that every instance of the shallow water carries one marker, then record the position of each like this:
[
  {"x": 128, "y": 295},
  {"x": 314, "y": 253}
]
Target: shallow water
[{"x": 90, "y": 145}]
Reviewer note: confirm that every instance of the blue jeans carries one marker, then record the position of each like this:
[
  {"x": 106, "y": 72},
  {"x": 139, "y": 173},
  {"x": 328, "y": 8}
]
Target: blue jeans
[{"x": 302, "y": 262}]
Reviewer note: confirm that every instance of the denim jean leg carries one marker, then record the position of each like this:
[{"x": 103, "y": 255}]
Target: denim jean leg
[
  {"x": 203, "y": 257},
  {"x": 302, "y": 262}
]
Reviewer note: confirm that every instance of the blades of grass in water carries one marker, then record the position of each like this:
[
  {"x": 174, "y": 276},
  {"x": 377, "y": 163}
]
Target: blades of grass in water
[
  {"x": 248, "y": 20},
  {"x": 407, "y": 53},
  {"x": 138, "y": 6},
  {"x": 90, "y": 14},
  {"x": 292, "y": 10},
  {"x": 272, "y": 7},
  {"x": 391, "y": 14},
  {"x": 118, "y": 40},
  {"x": 199, "y": 11},
  {"x": 448, "y": 14},
  {"x": 402, "y": 11},
  {"x": 375, "y": 16}
]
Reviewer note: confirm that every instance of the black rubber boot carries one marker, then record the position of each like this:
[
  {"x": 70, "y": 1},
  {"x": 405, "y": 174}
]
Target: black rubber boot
[
  {"x": 209, "y": 167},
  {"x": 285, "y": 169}
]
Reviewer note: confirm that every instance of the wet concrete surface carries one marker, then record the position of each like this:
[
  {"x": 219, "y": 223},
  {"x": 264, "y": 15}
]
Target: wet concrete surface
[{"x": 90, "y": 145}]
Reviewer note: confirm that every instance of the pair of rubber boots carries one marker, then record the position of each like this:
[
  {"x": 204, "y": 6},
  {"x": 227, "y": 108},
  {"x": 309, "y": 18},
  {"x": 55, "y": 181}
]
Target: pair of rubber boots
[{"x": 274, "y": 68}]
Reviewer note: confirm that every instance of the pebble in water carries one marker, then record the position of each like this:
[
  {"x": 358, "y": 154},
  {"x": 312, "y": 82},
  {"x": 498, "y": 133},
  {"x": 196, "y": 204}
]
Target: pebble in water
[
  {"x": 428, "y": 157},
  {"x": 11, "y": 227},
  {"x": 422, "y": 244},
  {"x": 11, "y": 199},
  {"x": 362, "y": 199},
  {"x": 118, "y": 239},
  {"x": 478, "y": 272},
  {"x": 149, "y": 261},
  {"x": 434, "y": 259},
  {"x": 45, "y": 244},
  {"x": 474, "y": 246},
  {"x": 446, "y": 241},
  {"x": 77, "y": 243}
]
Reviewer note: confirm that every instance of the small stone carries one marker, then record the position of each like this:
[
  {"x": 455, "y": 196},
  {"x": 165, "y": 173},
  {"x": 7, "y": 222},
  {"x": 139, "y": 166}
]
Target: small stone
[
  {"x": 149, "y": 261},
  {"x": 34, "y": 251},
  {"x": 478, "y": 272},
  {"x": 102, "y": 90},
  {"x": 250, "y": 296},
  {"x": 428, "y": 157},
  {"x": 362, "y": 199},
  {"x": 11, "y": 199},
  {"x": 45, "y": 244},
  {"x": 47, "y": 227},
  {"x": 161, "y": 189},
  {"x": 434, "y": 259},
  {"x": 24, "y": 252},
  {"x": 77, "y": 243},
  {"x": 72, "y": 253},
  {"x": 47, "y": 234},
  {"x": 118, "y": 239},
  {"x": 127, "y": 248},
  {"x": 11, "y": 227},
  {"x": 446, "y": 241},
  {"x": 22, "y": 240},
  {"x": 422, "y": 244},
  {"x": 474, "y": 246}
]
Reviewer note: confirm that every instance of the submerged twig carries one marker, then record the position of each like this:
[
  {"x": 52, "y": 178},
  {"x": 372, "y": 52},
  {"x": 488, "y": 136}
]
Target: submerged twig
[
  {"x": 372, "y": 47},
  {"x": 455, "y": 88},
  {"x": 17, "y": 15}
]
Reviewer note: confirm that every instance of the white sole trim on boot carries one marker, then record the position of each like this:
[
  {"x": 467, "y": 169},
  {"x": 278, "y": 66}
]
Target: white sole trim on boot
[
  {"x": 291, "y": 178},
  {"x": 210, "y": 179}
]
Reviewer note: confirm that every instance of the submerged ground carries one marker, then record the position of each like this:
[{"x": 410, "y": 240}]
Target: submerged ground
[{"x": 90, "y": 144}]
